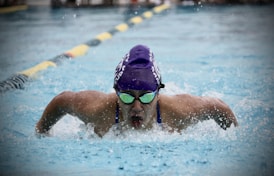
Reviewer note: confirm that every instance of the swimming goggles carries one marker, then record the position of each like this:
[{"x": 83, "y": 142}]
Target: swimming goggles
[{"x": 129, "y": 99}]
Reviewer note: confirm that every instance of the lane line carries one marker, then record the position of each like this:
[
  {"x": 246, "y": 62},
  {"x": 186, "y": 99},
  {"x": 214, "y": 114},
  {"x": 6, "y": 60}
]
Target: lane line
[
  {"x": 4, "y": 10},
  {"x": 17, "y": 80}
]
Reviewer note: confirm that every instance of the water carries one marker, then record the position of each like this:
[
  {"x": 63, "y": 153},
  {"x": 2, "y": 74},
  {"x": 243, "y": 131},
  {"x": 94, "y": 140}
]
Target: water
[{"x": 224, "y": 52}]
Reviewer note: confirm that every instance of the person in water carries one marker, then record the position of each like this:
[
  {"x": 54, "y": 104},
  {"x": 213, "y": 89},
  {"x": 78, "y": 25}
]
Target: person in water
[{"x": 136, "y": 103}]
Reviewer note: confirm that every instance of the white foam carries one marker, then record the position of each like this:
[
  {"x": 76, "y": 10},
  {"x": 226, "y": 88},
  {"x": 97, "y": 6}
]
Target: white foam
[
  {"x": 72, "y": 128},
  {"x": 67, "y": 127},
  {"x": 209, "y": 129}
]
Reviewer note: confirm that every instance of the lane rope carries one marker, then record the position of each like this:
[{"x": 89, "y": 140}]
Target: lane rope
[
  {"x": 18, "y": 80},
  {"x": 4, "y": 10}
]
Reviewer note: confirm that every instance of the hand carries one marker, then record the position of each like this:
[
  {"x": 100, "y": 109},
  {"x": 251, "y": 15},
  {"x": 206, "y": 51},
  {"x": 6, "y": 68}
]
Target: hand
[
  {"x": 225, "y": 122},
  {"x": 41, "y": 134}
]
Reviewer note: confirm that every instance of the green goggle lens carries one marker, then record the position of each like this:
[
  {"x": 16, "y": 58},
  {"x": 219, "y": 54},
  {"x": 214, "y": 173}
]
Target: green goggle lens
[
  {"x": 145, "y": 98},
  {"x": 126, "y": 98}
]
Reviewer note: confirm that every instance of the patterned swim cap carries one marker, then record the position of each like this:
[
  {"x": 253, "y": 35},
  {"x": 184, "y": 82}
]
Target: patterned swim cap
[{"x": 138, "y": 71}]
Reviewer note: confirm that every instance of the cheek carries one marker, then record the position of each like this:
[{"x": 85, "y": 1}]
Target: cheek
[
  {"x": 150, "y": 108},
  {"x": 124, "y": 109},
  {"x": 149, "y": 112}
]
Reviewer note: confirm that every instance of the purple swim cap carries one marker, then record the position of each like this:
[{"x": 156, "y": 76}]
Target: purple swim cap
[{"x": 138, "y": 71}]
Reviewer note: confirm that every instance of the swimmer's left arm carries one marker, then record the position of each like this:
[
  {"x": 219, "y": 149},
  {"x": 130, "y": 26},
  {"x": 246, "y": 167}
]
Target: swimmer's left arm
[
  {"x": 220, "y": 112},
  {"x": 183, "y": 110}
]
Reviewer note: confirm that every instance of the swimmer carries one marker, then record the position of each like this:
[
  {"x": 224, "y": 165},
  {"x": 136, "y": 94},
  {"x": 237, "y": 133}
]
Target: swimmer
[{"x": 136, "y": 103}]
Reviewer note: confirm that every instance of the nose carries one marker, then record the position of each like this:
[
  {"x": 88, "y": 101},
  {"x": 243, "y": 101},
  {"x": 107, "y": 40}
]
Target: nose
[{"x": 137, "y": 106}]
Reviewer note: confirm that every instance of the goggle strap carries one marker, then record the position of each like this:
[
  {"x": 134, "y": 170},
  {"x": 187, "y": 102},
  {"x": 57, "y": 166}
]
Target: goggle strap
[
  {"x": 117, "y": 113},
  {"x": 159, "y": 119}
]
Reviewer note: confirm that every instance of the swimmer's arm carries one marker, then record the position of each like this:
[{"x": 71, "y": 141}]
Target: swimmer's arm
[
  {"x": 216, "y": 109},
  {"x": 221, "y": 113},
  {"x": 89, "y": 106},
  {"x": 189, "y": 109},
  {"x": 55, "y": 110}
]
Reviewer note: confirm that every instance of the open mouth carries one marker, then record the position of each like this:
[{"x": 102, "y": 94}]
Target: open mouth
[{"x": 136, "y": 121}]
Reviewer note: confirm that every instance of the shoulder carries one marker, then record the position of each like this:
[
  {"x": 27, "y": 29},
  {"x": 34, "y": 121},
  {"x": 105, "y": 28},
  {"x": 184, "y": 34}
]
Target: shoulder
[
  {"x": 179, "y": 98},
  {"x": 187, "y": 98},
  {"x": 187, "y": 102},
  {"x": 176, "y": 104}
]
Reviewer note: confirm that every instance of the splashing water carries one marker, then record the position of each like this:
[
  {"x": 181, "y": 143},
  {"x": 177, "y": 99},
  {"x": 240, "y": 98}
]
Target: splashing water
[{"x": 223, "y": 52}]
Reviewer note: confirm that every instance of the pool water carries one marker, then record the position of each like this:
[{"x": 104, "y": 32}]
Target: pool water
[{"x": 220, "y": 51}]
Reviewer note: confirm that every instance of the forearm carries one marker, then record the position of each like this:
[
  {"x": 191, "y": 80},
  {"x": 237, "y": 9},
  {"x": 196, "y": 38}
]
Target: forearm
[
  {"x": 54, "y": 111},
  {"x": 48, "y": 119}
]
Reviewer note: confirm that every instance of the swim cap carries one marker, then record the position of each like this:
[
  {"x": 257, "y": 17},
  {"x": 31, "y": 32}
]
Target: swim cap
[{"x": 138, "y": 71}]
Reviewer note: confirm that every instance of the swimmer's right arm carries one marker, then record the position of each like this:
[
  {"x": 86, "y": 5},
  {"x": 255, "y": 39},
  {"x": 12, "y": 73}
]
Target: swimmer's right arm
[
  {"x": 55, "y": 110},
  {"x": 86, "y": 105},
  {"x": 65, "y": 103}
]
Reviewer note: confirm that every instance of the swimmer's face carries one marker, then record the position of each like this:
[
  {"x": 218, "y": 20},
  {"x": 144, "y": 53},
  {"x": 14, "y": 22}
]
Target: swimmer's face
[{"x": 139, "y": 115}]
